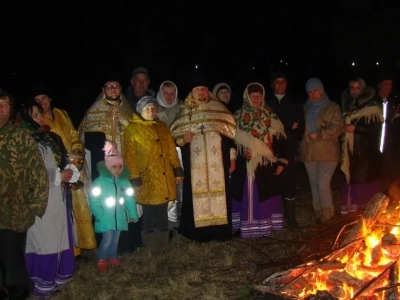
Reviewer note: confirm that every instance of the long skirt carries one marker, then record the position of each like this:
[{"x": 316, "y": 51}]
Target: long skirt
[
  {"x": 355, "y": 196},
  {"x": 255, "y": 218},
  {"x": 50, "y": 271}
]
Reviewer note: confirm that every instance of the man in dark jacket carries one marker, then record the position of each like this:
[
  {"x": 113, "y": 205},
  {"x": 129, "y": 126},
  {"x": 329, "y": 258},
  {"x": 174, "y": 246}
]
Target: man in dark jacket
[
  {"x": 290, "y": 112},
  {"x": 140, "y": 81},
  {"x": 390, "y": 136}
]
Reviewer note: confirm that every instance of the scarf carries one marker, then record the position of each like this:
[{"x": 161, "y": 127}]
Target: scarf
[
  {"x": 160, "y": 97},
  {"x": 254, "y": 136},
  {"x": 313, "y": 111},
  {"x": 44, "y": 137},
  {"x": 372, "y": 113}
]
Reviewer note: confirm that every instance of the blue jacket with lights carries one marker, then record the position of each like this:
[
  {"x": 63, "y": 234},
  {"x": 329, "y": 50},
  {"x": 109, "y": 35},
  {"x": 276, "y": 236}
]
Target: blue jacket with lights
[{"x": 112, "y": 201}]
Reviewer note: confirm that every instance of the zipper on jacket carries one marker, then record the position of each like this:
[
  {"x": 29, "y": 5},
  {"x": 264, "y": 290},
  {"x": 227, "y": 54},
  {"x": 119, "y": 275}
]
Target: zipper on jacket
[{"x": 116, "y": 203}]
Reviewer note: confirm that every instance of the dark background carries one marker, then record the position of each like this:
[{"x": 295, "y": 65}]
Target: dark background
[{"x": 71, "y": 45}]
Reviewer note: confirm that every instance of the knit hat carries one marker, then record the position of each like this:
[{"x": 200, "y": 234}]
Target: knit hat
[
  {"x": 314, "y": 84},
  {"x": 278, "y": 74},
  {"x": 254, "y": 88},
  {"x": 40, "y": 89},
  {"x": 112, "y": 156},
  {"x": 140, "y": 70},
  {"x": 144, "y": 101}
]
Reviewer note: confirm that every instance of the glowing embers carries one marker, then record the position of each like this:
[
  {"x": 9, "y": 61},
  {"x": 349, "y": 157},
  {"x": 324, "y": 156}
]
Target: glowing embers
[{"x": 364, "y": 266}]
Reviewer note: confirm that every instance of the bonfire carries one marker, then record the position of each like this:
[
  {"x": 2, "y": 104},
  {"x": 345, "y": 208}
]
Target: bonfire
[{"x": 363, "y": 264}]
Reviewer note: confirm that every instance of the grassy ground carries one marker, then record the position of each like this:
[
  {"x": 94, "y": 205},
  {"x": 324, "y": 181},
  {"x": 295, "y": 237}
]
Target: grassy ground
[{"x": 227, "y": 270}]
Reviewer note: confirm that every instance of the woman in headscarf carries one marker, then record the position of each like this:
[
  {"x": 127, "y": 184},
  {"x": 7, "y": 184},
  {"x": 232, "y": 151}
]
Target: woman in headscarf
[
  {"x": 257, "y": 202},
  {"x": 361, "y": 158},
  {"x": 49, "y": 253},
  {"x": 319, "y": 149}
]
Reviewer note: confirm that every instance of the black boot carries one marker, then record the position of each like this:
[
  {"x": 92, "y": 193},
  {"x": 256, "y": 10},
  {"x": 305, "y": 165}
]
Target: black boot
[{"x": 290, "y": 212}]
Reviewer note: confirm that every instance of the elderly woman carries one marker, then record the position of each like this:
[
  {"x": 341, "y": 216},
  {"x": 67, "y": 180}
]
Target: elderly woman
[
  {"x": 153, "y": 162},
  {"x": 49, "y": 253},
  {"x": 257, "y": 203},
  {"x": 319, "y": 149},
  {"x": 361, "y": 158}
]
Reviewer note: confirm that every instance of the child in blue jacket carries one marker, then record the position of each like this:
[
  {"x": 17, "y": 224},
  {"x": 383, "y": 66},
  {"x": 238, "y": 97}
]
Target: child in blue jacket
[{"x": 113, "y": 205}]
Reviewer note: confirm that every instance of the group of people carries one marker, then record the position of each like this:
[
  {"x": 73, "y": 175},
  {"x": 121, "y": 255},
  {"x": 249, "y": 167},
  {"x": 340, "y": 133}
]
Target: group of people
[{"x": 143, "y": 166}]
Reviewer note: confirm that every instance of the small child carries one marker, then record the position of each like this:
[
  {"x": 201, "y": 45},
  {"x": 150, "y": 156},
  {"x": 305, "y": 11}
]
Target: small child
[{"x": 113, "y": 205}]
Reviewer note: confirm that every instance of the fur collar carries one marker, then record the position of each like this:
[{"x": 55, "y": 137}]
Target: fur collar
[{"x": 366, "y": 95}]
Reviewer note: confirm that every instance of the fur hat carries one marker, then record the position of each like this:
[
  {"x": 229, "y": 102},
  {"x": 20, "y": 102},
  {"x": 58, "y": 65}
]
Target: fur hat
[
  {"x": 112, "y": 156},
  {"x": 144, "y": 101}
]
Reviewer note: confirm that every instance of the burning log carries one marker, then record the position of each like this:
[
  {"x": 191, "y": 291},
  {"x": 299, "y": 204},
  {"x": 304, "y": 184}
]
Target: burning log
[
  {"x": 278, "y": 279},
  {"x": 341, "y": 278},
  {"x": 321, "y": 295},
  {"x": 372, "y": 212},
  {"x": 335, "y": 265}
]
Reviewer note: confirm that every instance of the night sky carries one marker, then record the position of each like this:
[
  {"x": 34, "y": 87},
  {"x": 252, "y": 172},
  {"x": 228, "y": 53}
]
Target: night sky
[{"x": 71, "y": 45}]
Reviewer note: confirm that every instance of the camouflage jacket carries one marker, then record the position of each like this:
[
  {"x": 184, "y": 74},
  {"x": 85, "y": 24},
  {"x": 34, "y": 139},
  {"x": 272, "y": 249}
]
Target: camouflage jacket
[{"x": 24, "y": 181}]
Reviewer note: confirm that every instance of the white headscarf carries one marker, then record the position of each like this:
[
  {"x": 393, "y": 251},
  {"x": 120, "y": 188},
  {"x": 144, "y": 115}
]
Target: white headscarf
[{"x": 160, "y": 98}]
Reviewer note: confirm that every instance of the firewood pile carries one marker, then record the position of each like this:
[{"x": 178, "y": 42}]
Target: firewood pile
[{"x": 363, "y": 263}]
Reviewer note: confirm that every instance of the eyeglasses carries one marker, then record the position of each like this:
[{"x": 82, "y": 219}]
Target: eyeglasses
[{"x": 112, "y": 86}]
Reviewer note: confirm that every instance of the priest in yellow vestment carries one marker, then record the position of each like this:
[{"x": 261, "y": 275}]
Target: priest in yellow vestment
[
  {"x": 106, "y": 119},
  {"x": 204, "y": 130}
]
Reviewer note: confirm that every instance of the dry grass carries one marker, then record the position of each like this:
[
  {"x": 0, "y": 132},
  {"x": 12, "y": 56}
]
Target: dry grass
[{"x": 210, "y": 271}]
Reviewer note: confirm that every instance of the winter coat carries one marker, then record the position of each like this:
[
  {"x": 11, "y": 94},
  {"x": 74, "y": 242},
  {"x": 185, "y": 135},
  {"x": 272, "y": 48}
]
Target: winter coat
[
  {"x": 329, "y": 127},
  {"x": 391, "y": 148},
  {"x": 151, "y": 156},
  {"x": 24, "y": 183},
  {"x": 289, "y": 110},
  {"x": 365, "y": 160},
  {"x": 111, "y": 200}
]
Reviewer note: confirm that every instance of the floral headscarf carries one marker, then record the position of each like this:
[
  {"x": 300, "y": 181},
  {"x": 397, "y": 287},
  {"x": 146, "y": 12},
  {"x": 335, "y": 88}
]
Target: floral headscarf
[{"x": 262, "y": 123}]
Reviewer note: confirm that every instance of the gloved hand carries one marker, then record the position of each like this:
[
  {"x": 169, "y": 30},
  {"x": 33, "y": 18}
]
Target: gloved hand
[{"x": 132, "y": 220}]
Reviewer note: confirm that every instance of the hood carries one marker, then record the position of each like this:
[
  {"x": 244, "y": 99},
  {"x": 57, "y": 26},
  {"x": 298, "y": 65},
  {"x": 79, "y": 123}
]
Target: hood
[
  {"x": 105, "y": 172},
  {"x": 160, "y": 98},
  {"x": 218, "y": 85},
  {"x": 367, "y": 94}
]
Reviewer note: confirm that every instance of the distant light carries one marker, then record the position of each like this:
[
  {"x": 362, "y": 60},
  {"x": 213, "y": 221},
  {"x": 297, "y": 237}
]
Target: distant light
[
  {"x": 196, "y": 66},
  {"x": 287, "y": 64},
  {"x": 281, "y": 60},
  {"x": 253, "y": 68},
  {"x": 377, "y": 63},
  {"x": 353, "y": 64},
  {"x": 14, "y": 73}
]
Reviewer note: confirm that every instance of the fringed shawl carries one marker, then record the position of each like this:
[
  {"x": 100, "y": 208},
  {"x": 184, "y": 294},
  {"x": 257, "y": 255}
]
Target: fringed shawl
[
  {"x": 372, "y": 113},
  {"x": 254, "y": 136}
]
